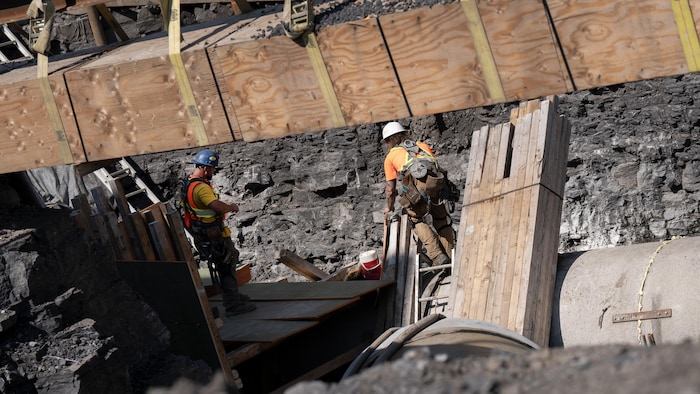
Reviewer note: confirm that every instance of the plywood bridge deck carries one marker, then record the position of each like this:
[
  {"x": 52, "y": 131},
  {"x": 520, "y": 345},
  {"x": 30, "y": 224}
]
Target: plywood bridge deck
[{"x": 124, "y": 100}]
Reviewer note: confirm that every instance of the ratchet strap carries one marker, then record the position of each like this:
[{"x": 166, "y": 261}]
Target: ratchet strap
[{"x": 171, "y": 15}]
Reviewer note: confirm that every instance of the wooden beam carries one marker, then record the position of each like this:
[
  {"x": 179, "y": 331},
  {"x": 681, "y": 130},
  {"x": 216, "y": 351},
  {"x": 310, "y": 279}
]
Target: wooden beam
[
  {"x": 300, "y": 265},
  {"x": 96, "y": 26}
]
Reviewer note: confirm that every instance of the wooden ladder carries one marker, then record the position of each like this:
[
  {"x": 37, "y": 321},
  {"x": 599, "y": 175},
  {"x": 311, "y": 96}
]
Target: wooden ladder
[{"x": 11, "y": 47}]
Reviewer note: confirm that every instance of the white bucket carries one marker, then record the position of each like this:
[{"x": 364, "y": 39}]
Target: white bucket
[{"x": 370, "y": 265}]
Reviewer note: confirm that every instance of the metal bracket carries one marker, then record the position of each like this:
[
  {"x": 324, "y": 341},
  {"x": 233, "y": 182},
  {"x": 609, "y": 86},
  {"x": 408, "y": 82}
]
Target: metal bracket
[{"x": 646, "y": 315}]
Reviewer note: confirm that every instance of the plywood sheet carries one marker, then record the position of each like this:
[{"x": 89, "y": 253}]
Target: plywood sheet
[
  {"x": 523, "y": 47},
  {"x": 287, "y": 310},
  {"x": 312, "y": 290},
  {"x": 435, "y": 58},
  {"x": 273, "y": 88},
  {"x": 134, "y": 108},
  {"x": 358, "y": 64},
  {"x": 268, "y": 331},
  {"x": 180, "y": 310},
  {"x": 610, "y": 42},
  {"x": 28, "y": 137}
]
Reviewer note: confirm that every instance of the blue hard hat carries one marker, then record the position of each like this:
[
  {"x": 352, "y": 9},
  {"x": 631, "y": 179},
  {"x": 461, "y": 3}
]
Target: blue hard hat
[{"x": 207, "y": 158}]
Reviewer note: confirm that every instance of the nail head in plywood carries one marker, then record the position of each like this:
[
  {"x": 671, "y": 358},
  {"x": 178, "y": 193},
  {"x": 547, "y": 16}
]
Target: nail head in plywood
[
  {"x": 30, "y": 139},
  {"x": 134, "y": 108}
]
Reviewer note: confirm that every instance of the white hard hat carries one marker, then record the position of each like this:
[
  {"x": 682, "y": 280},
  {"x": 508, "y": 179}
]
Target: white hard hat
[{"x": 392, "y": 128}]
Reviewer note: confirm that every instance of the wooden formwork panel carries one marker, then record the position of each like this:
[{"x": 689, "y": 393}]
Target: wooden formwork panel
[
  {"x": 273, "y": 88},
  {"x": 29, "y": 139},
  {"x": 610, "y": 42},
  {"x": 135, "y": 107},
  {"x": 435, "y": 59},
  {"x": 523, "y": 45},
  {"x": 509, "y": 230},
  {"x": 359, "y": 66}
]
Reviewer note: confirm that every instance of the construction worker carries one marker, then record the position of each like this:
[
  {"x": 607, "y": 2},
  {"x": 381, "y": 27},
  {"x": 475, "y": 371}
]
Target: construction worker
[
  {"x": 203, "y": 216},
  {"x": 412, "y": 174}
]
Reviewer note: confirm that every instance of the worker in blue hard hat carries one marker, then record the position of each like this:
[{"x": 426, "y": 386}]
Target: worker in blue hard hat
[{"x": 203, "y": 214}]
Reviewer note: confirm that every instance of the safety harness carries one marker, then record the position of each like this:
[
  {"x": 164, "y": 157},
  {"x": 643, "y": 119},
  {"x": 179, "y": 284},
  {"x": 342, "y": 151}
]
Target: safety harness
[
  {"x": 419, "y": 162},
  {"x": 192, "y": 213}
]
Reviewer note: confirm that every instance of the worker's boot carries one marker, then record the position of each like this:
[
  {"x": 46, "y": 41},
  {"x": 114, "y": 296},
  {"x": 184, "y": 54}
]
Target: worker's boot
[
  {"x": 241, "y": 308},
  {"x": 431, "y": 242}
]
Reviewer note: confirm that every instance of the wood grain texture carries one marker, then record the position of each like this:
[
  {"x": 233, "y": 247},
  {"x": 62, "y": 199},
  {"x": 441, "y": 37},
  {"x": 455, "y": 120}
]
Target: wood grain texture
[
  {"x": 134, "y": 108},
  {"x": 273, "y": 88},
  {"x": 28, "y": 137},
  {"x": 359, "y": 66},
  {"x": 509, "y": 232},
  {"x": 435, "y": 59},
  {"x": 524, "y": 49},
  {"x": 610, "y": 42}
]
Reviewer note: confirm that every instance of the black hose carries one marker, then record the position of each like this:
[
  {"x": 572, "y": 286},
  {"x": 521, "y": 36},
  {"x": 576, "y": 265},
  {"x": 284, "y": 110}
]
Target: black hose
[
  {"x": 359, "y": 361},
  {"x": 409, "y": 333}
]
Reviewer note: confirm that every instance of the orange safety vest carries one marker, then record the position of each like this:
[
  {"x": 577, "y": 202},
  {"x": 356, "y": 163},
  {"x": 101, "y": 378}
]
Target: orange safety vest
[{"x": 191, "y": 211}]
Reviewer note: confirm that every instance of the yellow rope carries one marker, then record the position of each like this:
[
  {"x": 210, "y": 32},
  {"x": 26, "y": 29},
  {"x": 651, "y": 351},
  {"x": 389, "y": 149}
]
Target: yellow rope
[{"x": 644, "y": 279}]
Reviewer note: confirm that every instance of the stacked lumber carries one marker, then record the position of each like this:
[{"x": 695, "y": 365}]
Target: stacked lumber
[
  {"x": 151, "y": 234},
  {"x": 154, "y": 256},
  {"x": 124, "y": 100},
  {"x": 509, "y": 231}
]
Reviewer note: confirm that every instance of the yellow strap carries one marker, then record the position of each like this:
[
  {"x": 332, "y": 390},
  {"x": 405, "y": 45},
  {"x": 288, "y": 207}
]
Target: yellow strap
[
  {"x": 688, "y": 33},
  {"x": 483, "y": 51},
  {"x": 324, "y": 80},
  {"x": 52, "y": 108},
  {"x": 174, "y": 36}
]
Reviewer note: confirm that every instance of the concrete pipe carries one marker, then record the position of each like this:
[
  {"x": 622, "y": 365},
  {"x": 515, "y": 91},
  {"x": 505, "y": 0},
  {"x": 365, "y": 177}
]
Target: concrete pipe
[{"x": 639, "y": 294}]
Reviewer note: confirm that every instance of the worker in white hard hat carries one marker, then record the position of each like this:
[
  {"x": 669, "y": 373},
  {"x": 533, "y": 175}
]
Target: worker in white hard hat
[{"x": 412, "y": 174}]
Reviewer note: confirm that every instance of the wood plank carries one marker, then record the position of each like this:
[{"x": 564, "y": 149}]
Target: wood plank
[
  {"x": 523, "y": 47},
  {"x": 465, "y": 232},
  {"x": 355, "y": 56},
  {"x": 312, "y": 290},
  {"x": 403, "y": 288},
  {"x": 289, "y": 310},
  {"x": 301, "y": 266},
  {"x": 144, "y": 238},
  {"x": 446, "y": 76},
  {"x": 265, "y": 331},
  {"x": 273, "y": 87},
  {"x": 611, "y": 42},
  {"x": 136, "y": 250}
]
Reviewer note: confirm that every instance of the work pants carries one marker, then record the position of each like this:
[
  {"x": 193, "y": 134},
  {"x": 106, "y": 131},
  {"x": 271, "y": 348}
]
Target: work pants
[
  {"x": 438, "y": 239},
  {"x": 222, "y": 258}
]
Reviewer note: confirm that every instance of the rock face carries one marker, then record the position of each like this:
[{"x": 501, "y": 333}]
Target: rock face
[
  {"x": 632, "y": 176},
  {"x": 68, "y": 324}
]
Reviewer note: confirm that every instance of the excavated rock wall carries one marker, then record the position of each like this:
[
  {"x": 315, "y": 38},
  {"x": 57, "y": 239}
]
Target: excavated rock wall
[
  {"x": 68, "y": 323},
  {"x": 633, "y": 176}
]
